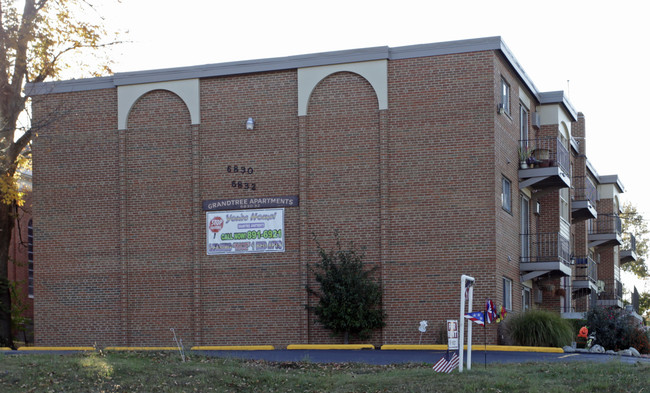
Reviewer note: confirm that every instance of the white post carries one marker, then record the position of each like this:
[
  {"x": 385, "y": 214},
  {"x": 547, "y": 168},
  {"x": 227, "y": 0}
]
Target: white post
[
  {"x": 461, "y": 330},
  {"x": 469, "y": 328},
  {"x": 461, "y": 337}
]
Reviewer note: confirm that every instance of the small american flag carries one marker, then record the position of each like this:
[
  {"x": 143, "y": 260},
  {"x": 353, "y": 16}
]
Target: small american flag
[
  {"x": 476, "y": 316},
  {"x": 446, "y": 364}
]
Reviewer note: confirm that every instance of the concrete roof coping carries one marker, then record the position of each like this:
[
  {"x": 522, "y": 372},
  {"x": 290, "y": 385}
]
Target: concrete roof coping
[
  {"x": 613, "y": 179},
  {"x": 605, "y": 179},
  {"x": 300, "y": 61}
]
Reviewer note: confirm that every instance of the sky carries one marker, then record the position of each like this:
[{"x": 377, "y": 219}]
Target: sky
[{"x": 596, "y": 51}]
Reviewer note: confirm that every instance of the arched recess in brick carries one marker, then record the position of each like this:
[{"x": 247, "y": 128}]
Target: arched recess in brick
[
  {"x": 343, "y": 170},
  {"x": 187, "y": 90},
  {"x": 375, "y": 72},
  {"x": 157, "y": 219}
]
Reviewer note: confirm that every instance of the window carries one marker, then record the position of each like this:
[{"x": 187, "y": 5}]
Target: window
[
  {"x": 525, "y": 298},
  {"x": 523, "y": 124},
  {"x": 507, "y": 293},
  {"x": 30, "y": 258},
  {"x": 505, "y": 96},
  {"x": 564, "y": 204},
  {"x": 506, "y": 199}
]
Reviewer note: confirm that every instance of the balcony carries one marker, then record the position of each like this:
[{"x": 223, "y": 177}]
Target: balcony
[
  {"x": 585, "y": 275},
  {"x": 544, "y": 254},
  {"x": 577, "y": 306},
  {"x": 583, "y": 200},
  {"x": 629, "y": 255},
  {"x": 550, "y": 165},
  {"x": 610, "y": 293},
  {"x": 605, "y": 231}
]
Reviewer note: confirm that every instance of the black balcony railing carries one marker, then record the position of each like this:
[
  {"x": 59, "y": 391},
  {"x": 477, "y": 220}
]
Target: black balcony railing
[
  {"x": 548, "y": 152},
  {"x": 632, "y": 243},
  {"x": 613, "y": 290},
  {"x": 545, "y": 247},
  {"x": 584, "y": 189},
  {"x": 635, "y": 300},
  {"x": 605, "y": 223},
  {"x": 578, "y": 303},
  {"x": 586, "y": 269}
]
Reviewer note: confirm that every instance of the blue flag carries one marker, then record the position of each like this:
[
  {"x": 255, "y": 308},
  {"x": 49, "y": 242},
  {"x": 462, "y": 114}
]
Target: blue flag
[
  {"x": 490, "y": 311},
  {"x": 476, "y": 316}
]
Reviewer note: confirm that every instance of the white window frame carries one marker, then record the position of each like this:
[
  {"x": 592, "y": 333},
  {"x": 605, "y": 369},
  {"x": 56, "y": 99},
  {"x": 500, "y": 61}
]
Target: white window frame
[
  {"x": 526, "y": 302},
  {"x": 523, "y": 123},
  {"x": 507, "y": 293},
  {"x": 506, "y": 194},
  {"x": 505, "y": 96}
]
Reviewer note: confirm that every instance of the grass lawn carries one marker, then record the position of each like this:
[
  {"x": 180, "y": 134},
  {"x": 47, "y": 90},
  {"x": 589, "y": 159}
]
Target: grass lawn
[{"x": 164, "y": 372}]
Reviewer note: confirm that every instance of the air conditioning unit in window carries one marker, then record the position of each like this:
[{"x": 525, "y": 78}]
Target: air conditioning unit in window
[
  {"x": 535, "y": 120},
  {"x": 600, "y": 285},
  {"x": 501, "y": 109}
]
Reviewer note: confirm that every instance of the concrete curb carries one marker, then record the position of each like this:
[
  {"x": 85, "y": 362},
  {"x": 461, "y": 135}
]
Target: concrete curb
[
  {"x": 414, "y": 347},
  {"x": 502, "y": 348},
  {"x": 234, "y": 348},
  {"x": 386, "y": 347},
  {"x": 57, "y": 348},
  {"x": 330, "y": 346},
  {"x": 141, "y": 349}
]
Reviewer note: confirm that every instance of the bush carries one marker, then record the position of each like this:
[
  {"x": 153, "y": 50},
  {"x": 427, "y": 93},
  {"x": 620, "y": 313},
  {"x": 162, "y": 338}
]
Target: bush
[
  {"x": 616, "y": 330},
  {"x": 349, "y": 299},
  {"x": 639, "y": 339},
  {"x": 539, "y": 328}
]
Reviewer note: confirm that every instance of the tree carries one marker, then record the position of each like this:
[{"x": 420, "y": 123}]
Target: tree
[
  {"x": 634, "y": 224},
  {"x": 349, "y": 300},
  {"x": 644, "y": 304},
  {"x": 37, "y": 44}
]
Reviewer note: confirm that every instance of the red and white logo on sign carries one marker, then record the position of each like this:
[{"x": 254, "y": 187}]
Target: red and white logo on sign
[{"x": 216, "y": 224}]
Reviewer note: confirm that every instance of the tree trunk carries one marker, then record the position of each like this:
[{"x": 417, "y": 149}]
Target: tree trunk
[
  {"x": 6, "y": 228},
  {"x": 346, "y": 337}
]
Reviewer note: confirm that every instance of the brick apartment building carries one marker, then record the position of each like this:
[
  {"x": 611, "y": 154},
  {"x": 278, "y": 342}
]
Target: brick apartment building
[{"x": 188, "y": 198}]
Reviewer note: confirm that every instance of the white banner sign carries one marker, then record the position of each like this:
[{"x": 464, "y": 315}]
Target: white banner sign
[
  {"x": 452, "y": 334},
  {"x": 245, "y": 231}
]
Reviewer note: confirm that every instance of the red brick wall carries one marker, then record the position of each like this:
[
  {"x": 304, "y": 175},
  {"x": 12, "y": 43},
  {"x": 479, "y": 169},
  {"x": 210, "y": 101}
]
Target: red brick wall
[
  {"x": 76, "y": 220},
  {"x": 342, "y": 179},
  {"x": 157, "y": 218},
  {"x": 442, "y": 190},
  {"x": 251, "y": 298}
]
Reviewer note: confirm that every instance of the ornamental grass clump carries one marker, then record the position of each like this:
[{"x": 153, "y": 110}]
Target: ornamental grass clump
[{"x": 539, "y": 328}]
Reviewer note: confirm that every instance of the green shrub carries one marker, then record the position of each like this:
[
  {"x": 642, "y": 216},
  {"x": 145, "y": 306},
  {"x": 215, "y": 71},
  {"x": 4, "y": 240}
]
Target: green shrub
[
  {"x": 639, "y": 339},
  {"x": 349, "y": 299},
  {"x": 616, "y": 330},
  {"x": 539, "y": 328}
]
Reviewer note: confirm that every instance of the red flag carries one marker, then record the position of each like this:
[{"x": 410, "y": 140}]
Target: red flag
[{"x": 490, "y": 311}]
